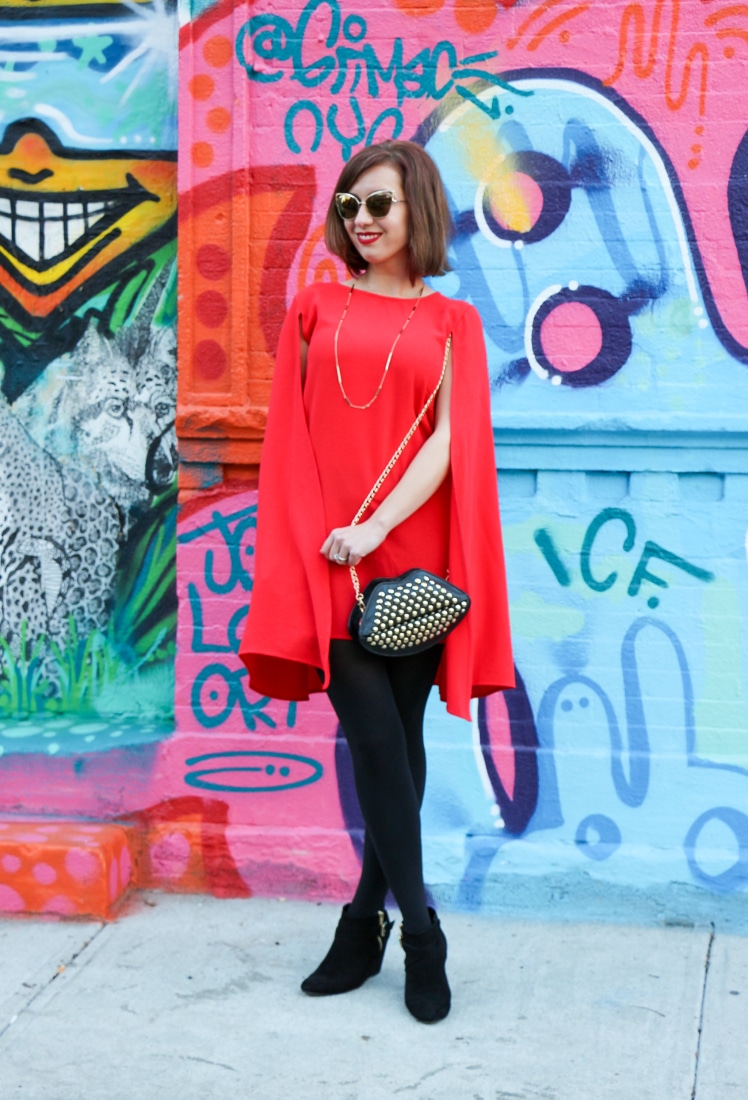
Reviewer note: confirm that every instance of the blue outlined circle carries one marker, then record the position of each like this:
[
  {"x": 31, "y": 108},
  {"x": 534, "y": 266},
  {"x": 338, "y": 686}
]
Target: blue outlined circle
[
  {"x": 735, "y": 877},
  {"x": 354, "y": 28},
  {"x": 555, "y": 185},
  {"x": 608, "y": 837},
  {"x": 617, "y": 340},
  {"x": 211, "y": 721}
]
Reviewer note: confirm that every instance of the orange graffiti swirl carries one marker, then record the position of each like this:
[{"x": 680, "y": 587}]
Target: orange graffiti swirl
[{"x": 541, "y": 9}]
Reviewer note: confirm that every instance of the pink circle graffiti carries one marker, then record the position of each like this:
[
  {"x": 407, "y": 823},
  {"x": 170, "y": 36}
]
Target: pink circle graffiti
[{"x": 571, "y": 336}]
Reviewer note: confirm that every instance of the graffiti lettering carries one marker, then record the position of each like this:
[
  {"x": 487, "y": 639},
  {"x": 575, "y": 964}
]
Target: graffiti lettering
[
  {"x": 232, "y": 530},
  {"x": 238, "y": 574},
  {"x": 352, "y": 64},
  {"x": 632, "y": 760},
  {"x": 216, "y": 684},
  {"x": 652, "y": 550},
  {"x": 606, "y": 516},
  {"x": 547, "y": 547},
  {"x": 319, "y": 125},
  {"x": 269, "y": 39},
  {"x": 272, "y": 771},
  {"x": 734, "y": 877},
  {"x": 220, "y": 688},
  {"x": 233, "y": 630},
  {"x": 346, "y": 143},
  {"x": 545, "y": 544},
  {"x": 244, "y": 520}
]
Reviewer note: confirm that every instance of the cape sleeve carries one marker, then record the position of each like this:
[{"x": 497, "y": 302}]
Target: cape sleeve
[
  {"x": 478, "y": 654},
  {"x": 287, "y": 637}
]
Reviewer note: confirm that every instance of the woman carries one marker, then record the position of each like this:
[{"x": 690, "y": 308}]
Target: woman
[{"x": 356, "y": 364}]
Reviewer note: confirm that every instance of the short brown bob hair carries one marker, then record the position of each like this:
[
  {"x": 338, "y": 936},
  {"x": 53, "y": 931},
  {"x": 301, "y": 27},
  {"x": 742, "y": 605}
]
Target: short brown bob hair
[{"x": 429, "y": 219}]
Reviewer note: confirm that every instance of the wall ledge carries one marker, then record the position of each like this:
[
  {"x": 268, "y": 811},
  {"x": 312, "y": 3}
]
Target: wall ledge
[{"x": 621, "y": 450}]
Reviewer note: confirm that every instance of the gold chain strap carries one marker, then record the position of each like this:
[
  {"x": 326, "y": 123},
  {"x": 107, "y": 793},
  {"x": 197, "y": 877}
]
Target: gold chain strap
[{"x": 388, "y": 469}]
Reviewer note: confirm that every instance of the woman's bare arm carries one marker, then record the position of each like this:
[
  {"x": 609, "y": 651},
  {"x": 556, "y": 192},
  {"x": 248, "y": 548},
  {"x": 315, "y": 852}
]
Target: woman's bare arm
[{"x": 303, "y": 351}]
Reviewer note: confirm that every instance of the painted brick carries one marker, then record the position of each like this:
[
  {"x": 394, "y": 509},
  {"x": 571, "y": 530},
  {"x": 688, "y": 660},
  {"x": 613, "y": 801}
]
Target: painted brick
[
  {"x": 63, "y": 868},
  {"x": 600, "y": 199}
]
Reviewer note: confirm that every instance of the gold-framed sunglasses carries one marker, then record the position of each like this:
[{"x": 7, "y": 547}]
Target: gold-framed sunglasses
[{"x": 378, "y": 203}]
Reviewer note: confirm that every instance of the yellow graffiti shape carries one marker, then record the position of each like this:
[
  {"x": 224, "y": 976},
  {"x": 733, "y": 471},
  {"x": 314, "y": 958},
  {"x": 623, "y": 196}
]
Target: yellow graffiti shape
[
  {"x": 475, "y": 143},
  {"x": 66, "y": 214},
  {"x": 515, "y": 199}
]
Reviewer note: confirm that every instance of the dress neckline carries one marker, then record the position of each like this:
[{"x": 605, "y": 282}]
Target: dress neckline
[{"x": 390, "y": 297}]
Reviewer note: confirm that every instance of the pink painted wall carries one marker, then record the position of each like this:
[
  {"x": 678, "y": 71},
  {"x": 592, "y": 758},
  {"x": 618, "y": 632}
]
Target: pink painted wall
[{"x": 271, "y": 762}]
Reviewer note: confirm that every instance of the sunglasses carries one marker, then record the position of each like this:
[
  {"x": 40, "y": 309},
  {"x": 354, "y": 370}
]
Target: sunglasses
[{"x": 378, "y": 203}]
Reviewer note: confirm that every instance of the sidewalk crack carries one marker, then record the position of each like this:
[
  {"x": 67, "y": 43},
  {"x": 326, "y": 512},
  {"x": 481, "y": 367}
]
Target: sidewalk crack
[
  {"x": 707, "y": 964},
  {"x": 44, "y": 986}
]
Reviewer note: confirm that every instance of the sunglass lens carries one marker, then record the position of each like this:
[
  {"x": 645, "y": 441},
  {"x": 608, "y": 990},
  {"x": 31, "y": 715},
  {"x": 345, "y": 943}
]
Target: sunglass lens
[
  {"x": 379, "y": 204},
  {"x": 347, "y": 206}
]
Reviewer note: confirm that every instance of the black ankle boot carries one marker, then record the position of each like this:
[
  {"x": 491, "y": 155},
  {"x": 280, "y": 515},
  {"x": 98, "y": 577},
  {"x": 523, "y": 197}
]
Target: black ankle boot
[
  {"x": 427, "y": 993},
  {"x": 356, "y": 954}
]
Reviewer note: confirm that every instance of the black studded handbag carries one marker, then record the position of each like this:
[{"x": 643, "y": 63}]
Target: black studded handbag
[
  {"x": 407, "y": 614},
  {"x": 399, "y": 616}
]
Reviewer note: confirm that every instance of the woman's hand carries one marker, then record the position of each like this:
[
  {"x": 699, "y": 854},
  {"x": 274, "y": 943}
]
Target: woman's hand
[{"x": 348, "y": 545}]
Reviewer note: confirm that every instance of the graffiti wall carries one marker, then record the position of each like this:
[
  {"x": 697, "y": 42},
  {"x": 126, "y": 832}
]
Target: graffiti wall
[
  {"x": 88, "y": 189},
  {"x": 595, "y": 158},
  {"x": 88, "y": 353},
  {"x": 596, "y": 162}
]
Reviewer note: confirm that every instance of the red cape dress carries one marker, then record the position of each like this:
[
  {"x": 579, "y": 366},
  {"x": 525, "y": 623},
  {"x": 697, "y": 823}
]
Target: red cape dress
[{"x": 320, "y": 459}]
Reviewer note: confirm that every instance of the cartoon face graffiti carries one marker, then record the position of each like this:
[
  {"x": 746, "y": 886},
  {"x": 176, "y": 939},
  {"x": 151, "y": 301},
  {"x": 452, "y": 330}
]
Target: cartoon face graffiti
[
  {"x": 66, "y": 215},
  {"x": 87, "y": 347},
  {"x": 87, "y": 156}
]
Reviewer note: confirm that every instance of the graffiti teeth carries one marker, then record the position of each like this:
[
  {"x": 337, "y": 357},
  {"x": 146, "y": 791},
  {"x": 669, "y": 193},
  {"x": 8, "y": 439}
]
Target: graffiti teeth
[
  {"x": 27, "y": 236},
  {"x": 41, "y": 232},
  {"x": 76, "y": 229},
  {"x": 54, "y": 238}
]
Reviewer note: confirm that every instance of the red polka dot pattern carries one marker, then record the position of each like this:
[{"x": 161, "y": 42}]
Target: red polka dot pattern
[
  {"x": 211, "y": 308},
  {"x": 213, "y": 262},
  {"x": 210, "y": 360}
]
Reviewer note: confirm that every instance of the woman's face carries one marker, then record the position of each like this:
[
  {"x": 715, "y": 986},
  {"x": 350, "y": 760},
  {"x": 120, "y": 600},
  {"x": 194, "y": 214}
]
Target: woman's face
[{"x": 381, "y": 240}]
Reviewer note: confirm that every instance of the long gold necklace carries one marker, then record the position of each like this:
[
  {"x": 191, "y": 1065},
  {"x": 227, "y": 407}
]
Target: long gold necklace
[{"x": 389, "y": 357}]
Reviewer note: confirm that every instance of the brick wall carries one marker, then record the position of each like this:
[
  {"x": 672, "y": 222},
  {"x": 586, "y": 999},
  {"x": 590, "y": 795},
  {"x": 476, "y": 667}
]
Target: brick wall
[{"x": 596, "y": 159}]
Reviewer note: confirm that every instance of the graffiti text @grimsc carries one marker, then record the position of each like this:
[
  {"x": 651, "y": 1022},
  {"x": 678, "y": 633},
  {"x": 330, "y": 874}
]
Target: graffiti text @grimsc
[{"x": 348, "y": 63}]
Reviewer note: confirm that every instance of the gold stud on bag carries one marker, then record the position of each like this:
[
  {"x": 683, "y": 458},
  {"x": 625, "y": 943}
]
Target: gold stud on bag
[{"x": 399, "y": 616}]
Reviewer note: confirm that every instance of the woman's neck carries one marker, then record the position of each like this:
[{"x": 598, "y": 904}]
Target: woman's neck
[{"x": 390, "y": 284}]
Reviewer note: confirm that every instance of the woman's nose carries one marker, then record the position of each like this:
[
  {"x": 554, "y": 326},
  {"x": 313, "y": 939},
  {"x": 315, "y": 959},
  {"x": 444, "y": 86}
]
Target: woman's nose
[{"x": 363, "y": 217}]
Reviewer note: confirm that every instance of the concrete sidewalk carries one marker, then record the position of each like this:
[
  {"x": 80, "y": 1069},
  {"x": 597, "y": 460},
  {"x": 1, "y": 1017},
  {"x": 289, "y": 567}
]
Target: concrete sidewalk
[{"x": 193, "y": 998}]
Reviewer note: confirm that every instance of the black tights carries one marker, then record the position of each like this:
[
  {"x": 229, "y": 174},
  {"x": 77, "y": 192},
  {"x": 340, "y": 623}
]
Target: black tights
[{"x": 380, "y": 702}]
